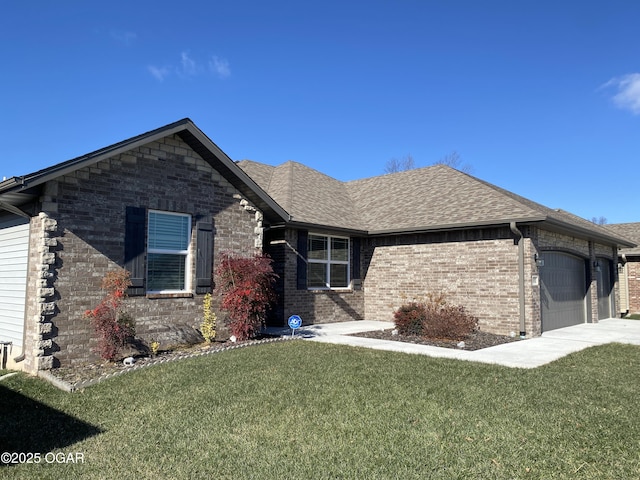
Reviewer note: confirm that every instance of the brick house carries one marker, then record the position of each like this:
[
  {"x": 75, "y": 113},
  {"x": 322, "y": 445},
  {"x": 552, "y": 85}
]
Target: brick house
[
  {"x": 359, "y": 249},
  {"x": 164, "y": 205},
  {"x": 629, "y": 268}
]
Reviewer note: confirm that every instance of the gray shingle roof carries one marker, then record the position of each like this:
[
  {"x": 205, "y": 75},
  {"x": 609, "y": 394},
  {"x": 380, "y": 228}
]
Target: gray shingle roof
[
  {"x": 430, "y": 198},
  {"x": 306, "y": 194},
  {"x": 433, "y": 197},
  {"x": 630, "y": 231}
]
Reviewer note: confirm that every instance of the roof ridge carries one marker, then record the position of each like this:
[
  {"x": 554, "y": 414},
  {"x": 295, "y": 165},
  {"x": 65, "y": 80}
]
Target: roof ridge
[
  {"x": 291, "y": 164},
  {"x": 526, "y": 202},
  {"x": 396, "y": 174}
]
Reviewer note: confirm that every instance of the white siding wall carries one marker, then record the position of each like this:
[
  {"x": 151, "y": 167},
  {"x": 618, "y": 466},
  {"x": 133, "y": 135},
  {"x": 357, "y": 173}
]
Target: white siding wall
[{"x": 14, "y": 250}]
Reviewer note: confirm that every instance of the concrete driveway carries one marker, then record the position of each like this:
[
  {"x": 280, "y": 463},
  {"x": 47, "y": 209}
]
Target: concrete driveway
[{"x": 529, "y": 353}]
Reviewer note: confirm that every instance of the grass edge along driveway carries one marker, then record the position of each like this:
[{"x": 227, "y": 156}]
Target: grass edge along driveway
[{"x": 309, "y": 410}]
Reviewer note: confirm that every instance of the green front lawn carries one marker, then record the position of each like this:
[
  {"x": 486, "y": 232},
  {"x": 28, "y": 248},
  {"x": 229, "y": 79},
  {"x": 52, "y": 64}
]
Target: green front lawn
[{"x": 306, "y": 410}]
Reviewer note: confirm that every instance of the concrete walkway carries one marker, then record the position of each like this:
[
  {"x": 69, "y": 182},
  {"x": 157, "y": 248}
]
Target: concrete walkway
[{"x": 530, "y": 353}]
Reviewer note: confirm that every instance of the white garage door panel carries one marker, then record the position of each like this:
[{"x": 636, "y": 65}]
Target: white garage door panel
[{"x": 14, "y": 249}]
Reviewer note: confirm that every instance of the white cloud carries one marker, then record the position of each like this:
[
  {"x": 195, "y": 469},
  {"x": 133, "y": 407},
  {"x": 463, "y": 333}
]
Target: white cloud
[
  {"x": 158, "y": 72},
  {"x": 220, "y": 66},
  {"x": 188, "y": 65},
  {"x": 628, "y": 88}
]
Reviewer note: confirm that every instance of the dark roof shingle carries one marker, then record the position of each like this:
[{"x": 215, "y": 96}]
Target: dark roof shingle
[
  {"x": 630, "y": 231},
  {"x": 429, "y": 198}
]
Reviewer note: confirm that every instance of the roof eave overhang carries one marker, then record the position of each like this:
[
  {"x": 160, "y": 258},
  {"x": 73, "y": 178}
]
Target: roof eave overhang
[
  {"x": 43, "y": 176},
  {"x": 219, "y": 160},
  {"x": 456, "y": 226},
  {"x": 8, "y": 207},
  {"x": 12, "y": 191},
  {"x": 586, "y": 233},
  {"x": 320, "y": 227}
]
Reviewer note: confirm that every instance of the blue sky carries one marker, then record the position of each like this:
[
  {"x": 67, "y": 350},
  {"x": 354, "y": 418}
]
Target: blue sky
[{"x": 539, "y": 97}]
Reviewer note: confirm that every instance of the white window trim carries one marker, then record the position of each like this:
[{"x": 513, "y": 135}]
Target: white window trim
[
  {"x": 186, "y": 253},
  {"x": 328, "y": 262}
]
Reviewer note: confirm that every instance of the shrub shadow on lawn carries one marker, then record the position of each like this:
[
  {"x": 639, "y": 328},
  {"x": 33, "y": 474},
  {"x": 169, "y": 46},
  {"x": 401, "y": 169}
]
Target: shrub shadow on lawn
[{"x": 28, "y": 426}]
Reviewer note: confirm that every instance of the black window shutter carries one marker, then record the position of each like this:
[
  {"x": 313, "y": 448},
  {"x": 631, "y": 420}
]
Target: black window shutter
[
  {"x": 204, "y": 257},
  {"x": 134, "y": 248},
  {"x": 302, "y": 247},
  {"x": 355, "y": 265}
]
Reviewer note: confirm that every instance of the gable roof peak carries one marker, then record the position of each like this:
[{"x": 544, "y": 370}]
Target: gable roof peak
[{"x": 18, "y": 191}]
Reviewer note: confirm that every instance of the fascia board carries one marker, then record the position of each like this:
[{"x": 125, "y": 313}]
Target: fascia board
[
  {"x": 456, "y": 226},
  {"x": 43, "y": 176},
  {"x": 586, "y": 233}
]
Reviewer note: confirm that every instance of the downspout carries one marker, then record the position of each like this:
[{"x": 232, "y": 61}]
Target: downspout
[
  {"x": 520, "y": 243},
  {"x": 21, "y": 357}
]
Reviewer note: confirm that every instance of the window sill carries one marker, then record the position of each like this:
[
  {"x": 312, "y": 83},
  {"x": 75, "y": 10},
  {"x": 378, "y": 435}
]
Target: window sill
[
  {"x": 154, "y": 296},
  {"x": 330, "y": 290}
]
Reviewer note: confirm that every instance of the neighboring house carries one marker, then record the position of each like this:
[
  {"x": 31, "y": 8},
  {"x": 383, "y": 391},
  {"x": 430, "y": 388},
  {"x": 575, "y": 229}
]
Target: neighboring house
[
  {"x": 629, "y": 268},
  {"x": 165, "y": 204}
]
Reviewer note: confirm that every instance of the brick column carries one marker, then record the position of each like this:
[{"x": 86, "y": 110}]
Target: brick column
[{"x": 40, "y": 312}]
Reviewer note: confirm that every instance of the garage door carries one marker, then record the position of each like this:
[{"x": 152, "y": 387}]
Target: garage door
[
  {"x": 563, "y": 290},
  {"x": 605, "y": 284},
  {"x": 14, "y": 249}
]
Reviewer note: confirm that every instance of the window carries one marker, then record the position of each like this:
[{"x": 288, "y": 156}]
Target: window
[
  {"x": 328, "y": 262},
  {"x": 168, "y": 240}
]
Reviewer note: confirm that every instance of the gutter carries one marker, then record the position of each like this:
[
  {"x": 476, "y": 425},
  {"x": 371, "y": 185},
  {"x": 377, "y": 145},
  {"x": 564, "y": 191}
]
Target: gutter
[
  {"x": 453, "y": 226},
  {"x": 589, "y": 234},
  {"x": 520, "y": 242}
]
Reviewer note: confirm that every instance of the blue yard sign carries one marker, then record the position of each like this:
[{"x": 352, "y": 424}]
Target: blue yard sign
[{"x": 294, "y": 322}]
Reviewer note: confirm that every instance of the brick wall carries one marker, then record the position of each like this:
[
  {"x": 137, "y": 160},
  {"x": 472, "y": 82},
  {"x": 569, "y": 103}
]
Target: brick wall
[
  {"x": 633, "y": 274},
  {"x": 476, "y": 269},
  {"x": 313, "y": 306},
  {"x": 89, "y": 207}
]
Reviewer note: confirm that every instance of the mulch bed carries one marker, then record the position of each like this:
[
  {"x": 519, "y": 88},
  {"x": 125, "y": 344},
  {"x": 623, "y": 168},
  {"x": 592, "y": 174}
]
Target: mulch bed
[
  {"x": 476, "y": 341},
  {"x": 83, "y": 375}
]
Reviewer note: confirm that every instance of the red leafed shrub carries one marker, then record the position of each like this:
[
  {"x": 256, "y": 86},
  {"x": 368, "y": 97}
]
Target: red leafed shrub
[
  {"x": 246, "y": 286},
  {"x": 409, "y": 319},
  {"x": 435, "y": 318},
  {"x": 112, "y": 325}
]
